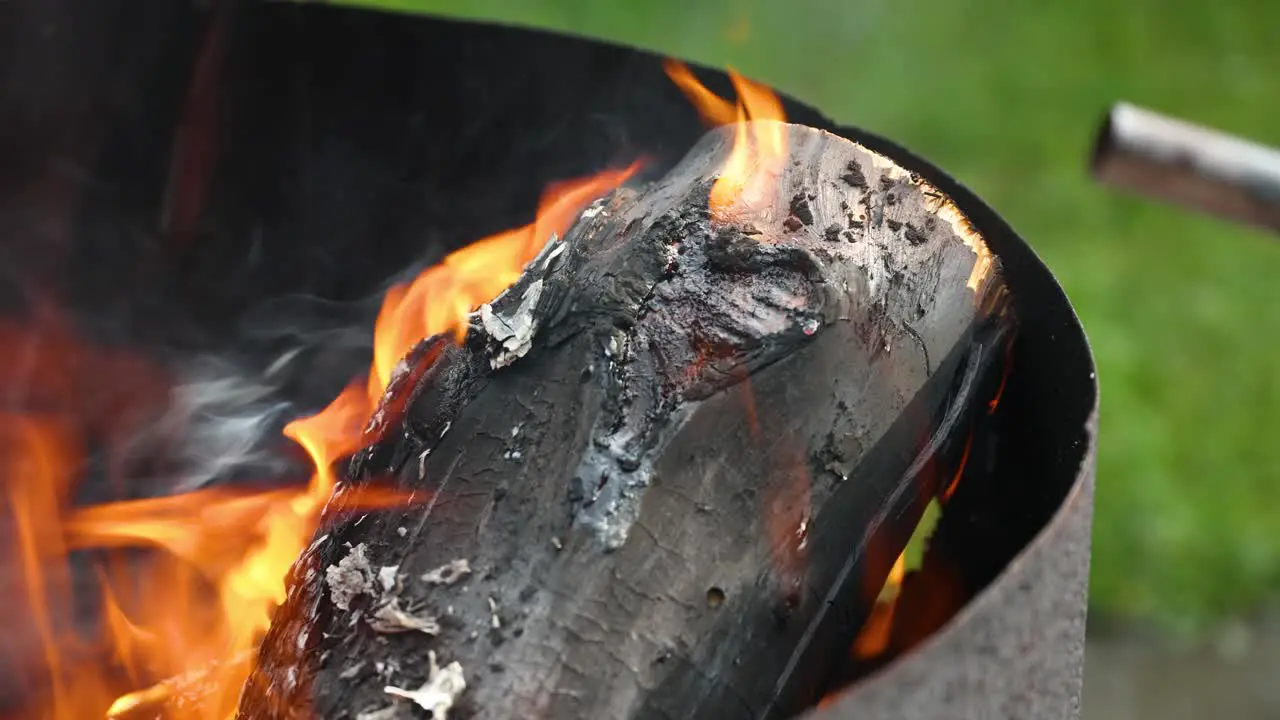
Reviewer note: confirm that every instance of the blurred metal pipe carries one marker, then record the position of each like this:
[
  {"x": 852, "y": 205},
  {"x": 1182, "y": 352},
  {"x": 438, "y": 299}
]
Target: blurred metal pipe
[{"x": 1189, "y": 165}]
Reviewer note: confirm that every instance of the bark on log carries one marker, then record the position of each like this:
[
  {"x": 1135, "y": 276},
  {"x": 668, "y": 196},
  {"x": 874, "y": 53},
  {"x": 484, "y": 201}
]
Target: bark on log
[{"x": 649, "y": 535}]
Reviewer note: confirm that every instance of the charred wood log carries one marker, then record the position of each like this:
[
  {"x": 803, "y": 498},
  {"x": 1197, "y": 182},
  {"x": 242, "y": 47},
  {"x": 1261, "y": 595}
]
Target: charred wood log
[{"x": 651, "y": 478}]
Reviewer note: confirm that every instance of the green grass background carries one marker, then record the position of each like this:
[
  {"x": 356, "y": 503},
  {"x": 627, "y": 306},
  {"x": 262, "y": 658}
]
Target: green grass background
[{"x": 1183, "y": 311}]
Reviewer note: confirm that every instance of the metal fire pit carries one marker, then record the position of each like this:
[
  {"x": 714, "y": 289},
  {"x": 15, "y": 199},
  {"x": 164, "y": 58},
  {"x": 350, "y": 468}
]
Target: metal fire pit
[{"x": 192, "y": 159}]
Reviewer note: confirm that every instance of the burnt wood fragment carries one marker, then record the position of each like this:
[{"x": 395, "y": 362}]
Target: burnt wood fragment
[{"x": 649, "y": 476}]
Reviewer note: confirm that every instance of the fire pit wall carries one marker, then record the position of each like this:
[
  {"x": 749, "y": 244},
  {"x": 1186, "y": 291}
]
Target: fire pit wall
[{"x": 188, "y": 163}]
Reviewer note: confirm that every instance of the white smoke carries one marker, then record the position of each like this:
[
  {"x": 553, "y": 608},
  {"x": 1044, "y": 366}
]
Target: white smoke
[
  {"x": 227, "y": 410},
  {"x": 226, "y": 420},
  {"x": 295, "y": 354}
]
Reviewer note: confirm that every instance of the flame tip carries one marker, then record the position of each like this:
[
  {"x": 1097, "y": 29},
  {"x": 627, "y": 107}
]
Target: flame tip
[
  {"x": 225, "y": 553},
  {"x": 756, "y": 159}
]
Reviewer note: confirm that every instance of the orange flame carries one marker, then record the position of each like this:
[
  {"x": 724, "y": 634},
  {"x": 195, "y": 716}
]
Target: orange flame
[
  {"x": 713, "y": 109},
  {"x": 440, "y": 298},
  {"x": 877, "y": 631},
  {"x": 873, "y": 638},
  {"x": 190, "y": 626},
  {"x": 759, "y": 151},
  {"x": 36, "y": 466},
  {"x": 959, "y": 473}
]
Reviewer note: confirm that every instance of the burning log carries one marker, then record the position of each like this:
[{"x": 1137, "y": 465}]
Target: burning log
[
  {"x": 593, "y": 454},
  {"x": 649, "y": 474}
]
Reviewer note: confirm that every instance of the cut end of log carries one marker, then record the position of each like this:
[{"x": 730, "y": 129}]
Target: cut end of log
[{"x": 665, "y": 409}]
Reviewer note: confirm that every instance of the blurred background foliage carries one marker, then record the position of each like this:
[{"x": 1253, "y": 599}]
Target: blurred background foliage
[{"x": 1183, "y": 311}]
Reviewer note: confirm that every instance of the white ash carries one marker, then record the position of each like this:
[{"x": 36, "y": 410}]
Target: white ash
[
  {"x": 514, "y": 332},
  {"x": 401, "y": 531},
  {"x": 351, "y": 577},
  {"x": 390, "y": 618},
  {"x": 352, "y": 671},
  {"x": 513, "y": 451},
  {"x": 441, "y": 690},
  {"x": 593, "y": 209},
  {"x": 553, "y": 250},
  {"x": 549, "y": 252},
  {"x": 494, "y": 621},
  {"x": 616, "y": 503},
  {"x": 354, "y": 576},
  {"x": 447, "y": 574},
  {"x": 387, "y": 577}
]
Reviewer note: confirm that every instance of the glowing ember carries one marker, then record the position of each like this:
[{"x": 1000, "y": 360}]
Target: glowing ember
[
  {"x": 184, "y": 635},
  {"x": 750, "y": 173}
]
